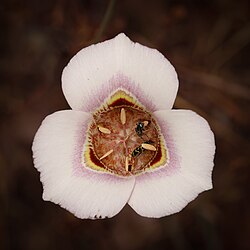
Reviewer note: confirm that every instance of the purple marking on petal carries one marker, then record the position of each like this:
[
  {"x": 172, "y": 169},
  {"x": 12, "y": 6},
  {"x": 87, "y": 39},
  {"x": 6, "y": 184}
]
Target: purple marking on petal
[
  {"x": 79, "y": 169},
  {"x": 118, "y": 81},
  {"x": 174, "y": 160}
]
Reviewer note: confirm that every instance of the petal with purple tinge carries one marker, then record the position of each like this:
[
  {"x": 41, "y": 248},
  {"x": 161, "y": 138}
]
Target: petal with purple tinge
[
  {"x": 98, "y": 70},
  {"x": 191, "y": 150},
  {"x": 58, "y": 151}
]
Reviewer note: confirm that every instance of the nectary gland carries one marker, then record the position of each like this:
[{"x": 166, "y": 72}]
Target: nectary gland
[{"x": 123, "y": 139}]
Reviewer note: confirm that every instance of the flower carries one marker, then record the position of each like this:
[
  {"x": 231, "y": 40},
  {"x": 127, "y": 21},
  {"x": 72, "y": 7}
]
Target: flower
[{"x": 121, "y": 142}]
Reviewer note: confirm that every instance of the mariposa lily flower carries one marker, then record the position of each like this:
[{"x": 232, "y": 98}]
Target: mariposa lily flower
[{"x": 121, "y": 142}]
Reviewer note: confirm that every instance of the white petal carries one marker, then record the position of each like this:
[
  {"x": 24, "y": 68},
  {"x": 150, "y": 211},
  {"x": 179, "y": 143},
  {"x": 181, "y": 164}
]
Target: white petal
[
  {"x": 57, "y": 150},
  {"x": 191, "y": 147},
  {"x": 99, "y": 69}
]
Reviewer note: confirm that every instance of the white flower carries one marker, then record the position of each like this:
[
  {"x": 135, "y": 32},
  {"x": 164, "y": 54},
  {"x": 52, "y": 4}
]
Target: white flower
[{"x": 121, "y": 142}]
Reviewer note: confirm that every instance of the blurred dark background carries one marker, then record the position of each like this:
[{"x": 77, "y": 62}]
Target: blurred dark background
[{"x": 207, "y": 42}]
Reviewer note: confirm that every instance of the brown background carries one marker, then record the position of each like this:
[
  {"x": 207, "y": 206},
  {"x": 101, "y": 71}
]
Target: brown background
[{"x": 207, "y": 41}]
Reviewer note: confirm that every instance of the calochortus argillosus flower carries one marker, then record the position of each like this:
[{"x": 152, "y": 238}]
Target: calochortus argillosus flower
[{"x": 121, "y": 142}]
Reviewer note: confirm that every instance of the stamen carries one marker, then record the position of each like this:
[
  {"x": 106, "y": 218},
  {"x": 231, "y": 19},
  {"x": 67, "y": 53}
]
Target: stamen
[
  {"x": 148, "y": 146},
  {"x": 145, "y": 123},
  {"x": 126, "y": 163},
  {"x": 104, "y": 130},
  {"x": 123, "y": 116},
  {"x": 108, "y": 153}
]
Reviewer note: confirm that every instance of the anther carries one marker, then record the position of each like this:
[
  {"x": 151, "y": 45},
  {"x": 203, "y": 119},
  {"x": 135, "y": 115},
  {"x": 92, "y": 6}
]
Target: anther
[
  {"x": 104, "y": 130},
  {"x": 123, "y": 116},
  {"x": 148, "y": 146},
  {"x": 126, "y": 163},
  {"x": 108, "y": 153},
  {"x": 145, "y": 123}
]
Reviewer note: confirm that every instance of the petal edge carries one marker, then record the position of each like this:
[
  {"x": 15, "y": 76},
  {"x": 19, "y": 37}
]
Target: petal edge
[
  {"x": 91, "y": 70},
  {"x": 66, "y": 181},
  {"x": 161, "y": 192}
]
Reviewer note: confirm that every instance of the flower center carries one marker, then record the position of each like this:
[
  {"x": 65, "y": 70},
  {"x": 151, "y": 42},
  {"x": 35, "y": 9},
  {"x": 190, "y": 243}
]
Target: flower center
[{"x": 123, "y": 140}]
